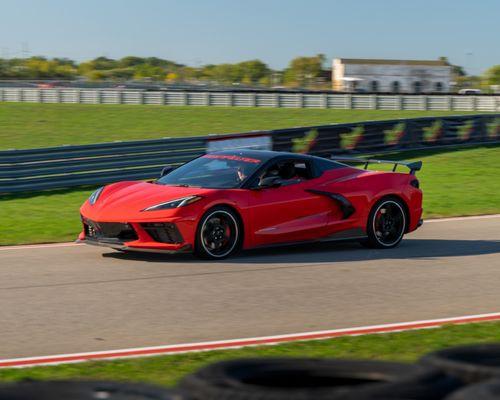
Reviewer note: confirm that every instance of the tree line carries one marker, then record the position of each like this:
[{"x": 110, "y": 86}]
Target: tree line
[{"x": 300, "y": 72}]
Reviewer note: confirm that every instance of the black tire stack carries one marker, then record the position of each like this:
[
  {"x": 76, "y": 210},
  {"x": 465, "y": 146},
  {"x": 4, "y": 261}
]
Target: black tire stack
[
  {"x": 458, "y": 373},
  {"x": 84, "y": 390}
]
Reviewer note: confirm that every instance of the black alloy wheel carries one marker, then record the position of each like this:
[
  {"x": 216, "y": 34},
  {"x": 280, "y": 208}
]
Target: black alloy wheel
[
  {"x": 386, "y": 224},
  {"x": 218, "y": 234}
]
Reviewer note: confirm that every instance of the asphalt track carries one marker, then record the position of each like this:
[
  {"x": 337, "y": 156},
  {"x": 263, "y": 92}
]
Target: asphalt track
[{"x": 73, "y": 298}]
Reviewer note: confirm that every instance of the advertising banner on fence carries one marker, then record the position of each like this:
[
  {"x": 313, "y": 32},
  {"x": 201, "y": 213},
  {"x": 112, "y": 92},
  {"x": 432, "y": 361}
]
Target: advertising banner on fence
[
  {"x": 376, "y": 136},
  {"x": 253, "y": 142}
]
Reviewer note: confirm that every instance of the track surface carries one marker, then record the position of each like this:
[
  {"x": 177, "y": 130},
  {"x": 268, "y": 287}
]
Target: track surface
[{"x": 76, "y": 298}]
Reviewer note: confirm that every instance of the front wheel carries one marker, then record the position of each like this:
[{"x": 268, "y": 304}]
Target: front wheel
[
  {"x": 218, "y": 234},
  {"x": 386, "y": 224}
]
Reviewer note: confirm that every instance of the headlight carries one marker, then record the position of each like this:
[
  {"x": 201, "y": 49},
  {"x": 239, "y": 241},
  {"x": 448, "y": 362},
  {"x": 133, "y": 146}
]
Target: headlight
[
  {"x": 94, "y": 196},
  {"x": 183, "y": 201}
]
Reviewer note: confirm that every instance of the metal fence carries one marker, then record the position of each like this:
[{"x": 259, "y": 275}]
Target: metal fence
[
  {"x": 67, "y": 166},
  {"x": 235, "y": 99}
]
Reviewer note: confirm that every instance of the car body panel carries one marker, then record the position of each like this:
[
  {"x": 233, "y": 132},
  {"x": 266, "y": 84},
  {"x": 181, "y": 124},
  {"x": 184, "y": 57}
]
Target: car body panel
[{"x": 308, "y": 210}]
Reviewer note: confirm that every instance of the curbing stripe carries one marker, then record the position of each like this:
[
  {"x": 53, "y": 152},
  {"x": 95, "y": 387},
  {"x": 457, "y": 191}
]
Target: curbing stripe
[{"x": 238, "y": 343}]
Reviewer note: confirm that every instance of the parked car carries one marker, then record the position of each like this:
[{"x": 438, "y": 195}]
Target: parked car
[{"x": 469, "y": 91}]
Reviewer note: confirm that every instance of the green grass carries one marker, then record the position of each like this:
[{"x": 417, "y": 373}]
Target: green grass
[
  {"x": 25, "y": 125},
  {"x": 458, "y": 182},
  {"x": 455, "y": 182},
  {"x": 167, "y": 370}
]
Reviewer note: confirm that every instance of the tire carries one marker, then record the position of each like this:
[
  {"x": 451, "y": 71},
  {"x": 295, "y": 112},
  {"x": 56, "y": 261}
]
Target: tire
[
  {"x": 386, "y": 225},
  {"x": 304, "y": 379},
  {"x": 219, "y": 234},
  {"x": 83, "y": 390},
  {"x": 471, "y": 364},
  {"x": 488, "y": 390}
]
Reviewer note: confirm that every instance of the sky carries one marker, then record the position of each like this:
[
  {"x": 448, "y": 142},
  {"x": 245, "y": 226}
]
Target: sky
[{"x": 197, "y": 32}]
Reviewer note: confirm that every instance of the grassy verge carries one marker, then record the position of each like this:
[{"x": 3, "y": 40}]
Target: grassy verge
[
  {"x": 455, "y": 182},
  {"x": 25, "y": 125},
  {"x": 167, "y": 370}
]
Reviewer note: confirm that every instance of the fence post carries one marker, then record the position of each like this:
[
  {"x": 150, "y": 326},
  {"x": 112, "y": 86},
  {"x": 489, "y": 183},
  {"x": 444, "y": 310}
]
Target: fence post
[
  {"x": 206, "y": 97},
  {"x": 1, "y": 94},
  {"x": 19, "y": 95},
  {"x": 474, "y": 103},
  {"x": 400, "y": 101},
  {"x": 348, "y": 101},
  {"x": 185, "y": 99},
  {"x": 374, "y": 102},
  {"x": 58, "y": 95},
  {"x": 450, "y": 103},
  {"x": 277, "y": 100},
  {"x": 300, "y": 100},
  {"x": 253, "y": 99},
  {"x": 78, "y": 96},
  {"x": 424, "y": 103},
  {"x": 324, "y": 100}
]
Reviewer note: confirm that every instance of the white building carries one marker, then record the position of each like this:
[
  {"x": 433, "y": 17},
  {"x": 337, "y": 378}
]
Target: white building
[{"x": 396, "y": 76}]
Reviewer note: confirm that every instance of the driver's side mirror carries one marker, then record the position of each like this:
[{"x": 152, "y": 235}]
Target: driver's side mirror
[
  {"x": 166, "y": 170},
  {"x": 269, "y": 182}
]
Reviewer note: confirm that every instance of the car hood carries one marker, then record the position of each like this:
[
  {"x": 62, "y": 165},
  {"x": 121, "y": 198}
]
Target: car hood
[{"x": 126, "y": 200}]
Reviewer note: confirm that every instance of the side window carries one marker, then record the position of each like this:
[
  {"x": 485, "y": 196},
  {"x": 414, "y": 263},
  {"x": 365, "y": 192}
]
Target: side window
[{"x": 289, "y": 172}]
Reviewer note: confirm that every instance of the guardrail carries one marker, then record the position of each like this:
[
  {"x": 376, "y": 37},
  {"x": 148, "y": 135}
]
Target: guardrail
[
  {"x": 96, "y": 164},
  {"x": 256, "y": 99}
]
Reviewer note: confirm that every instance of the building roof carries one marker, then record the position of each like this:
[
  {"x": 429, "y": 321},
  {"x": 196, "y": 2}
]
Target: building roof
[{"x": 392, "y": 62}]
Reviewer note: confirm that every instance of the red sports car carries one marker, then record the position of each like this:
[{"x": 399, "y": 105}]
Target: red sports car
[{"x": 224, "y": 201}]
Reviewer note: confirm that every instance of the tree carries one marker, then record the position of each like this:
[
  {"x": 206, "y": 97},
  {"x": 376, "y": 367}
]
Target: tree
[
  {"x": 304, "y": 70},
  {"x": 492, "y": 75},
  {"x": 254, "y": 70},
  {"x": 130, "y": 61},
  {"x": 456, "y": 70}
]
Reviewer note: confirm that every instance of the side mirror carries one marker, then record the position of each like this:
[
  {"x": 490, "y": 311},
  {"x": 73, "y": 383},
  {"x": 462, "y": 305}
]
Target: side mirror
[
  {"x": 269, "y": 182},
  {"x": 166, "y": 170}
]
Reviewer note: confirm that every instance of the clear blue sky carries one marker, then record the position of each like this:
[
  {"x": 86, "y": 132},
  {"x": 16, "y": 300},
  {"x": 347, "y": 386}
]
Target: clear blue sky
[{"x": 198, "y": 32}]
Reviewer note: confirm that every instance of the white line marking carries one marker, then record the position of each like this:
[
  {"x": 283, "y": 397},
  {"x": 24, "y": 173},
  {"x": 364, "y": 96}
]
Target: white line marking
[
  {"x": 238, "y": 343},
  {"x": 39, "y": 246},
  {"x": 473, "y": 217}
]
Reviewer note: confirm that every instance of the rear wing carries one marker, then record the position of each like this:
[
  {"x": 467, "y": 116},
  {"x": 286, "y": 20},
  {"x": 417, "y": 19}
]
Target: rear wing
[{"x": 413, "y": 166}]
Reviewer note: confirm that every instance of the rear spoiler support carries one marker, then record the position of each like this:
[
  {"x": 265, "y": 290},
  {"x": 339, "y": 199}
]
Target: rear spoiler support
[{"x": 413, "y": 166}]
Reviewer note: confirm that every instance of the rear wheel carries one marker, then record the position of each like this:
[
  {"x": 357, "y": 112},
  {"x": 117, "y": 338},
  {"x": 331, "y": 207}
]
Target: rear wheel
[
  {"x": 218, "y": 234},
  {"x": 386, "y": 224}
]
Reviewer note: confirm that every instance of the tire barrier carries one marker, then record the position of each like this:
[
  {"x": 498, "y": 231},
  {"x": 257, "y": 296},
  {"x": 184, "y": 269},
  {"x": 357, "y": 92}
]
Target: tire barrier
[
  {"x": 489, "y": 390},
  {"x": 84, "y": 390},
  {"x": 458, "y": 373},
  {"x": 303, "y": 379},
  {"x": 96, "y": 164},
  {"x": 471, "y": 364}
]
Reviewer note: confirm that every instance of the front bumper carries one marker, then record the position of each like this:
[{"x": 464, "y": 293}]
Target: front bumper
[
  {"x": 156, "y": 237},
  {"x": 145, "y": 247}
]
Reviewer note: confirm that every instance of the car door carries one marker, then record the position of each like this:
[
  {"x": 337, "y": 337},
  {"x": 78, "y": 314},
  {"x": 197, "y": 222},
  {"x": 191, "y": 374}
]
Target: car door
[{"x": 288, "y": 213}]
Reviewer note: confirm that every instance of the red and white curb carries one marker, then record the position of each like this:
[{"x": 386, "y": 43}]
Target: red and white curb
[{"x": 238, "y": 343}]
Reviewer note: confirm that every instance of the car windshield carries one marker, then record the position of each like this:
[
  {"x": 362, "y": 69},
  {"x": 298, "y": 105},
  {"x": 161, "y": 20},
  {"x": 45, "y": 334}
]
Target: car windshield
[{"x": 222, "y": 171}]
